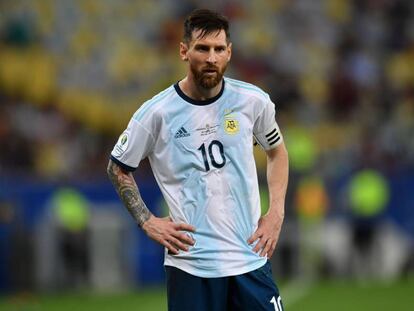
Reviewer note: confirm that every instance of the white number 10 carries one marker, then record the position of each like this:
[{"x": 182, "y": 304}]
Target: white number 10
[{"x": 277, "y": 303}]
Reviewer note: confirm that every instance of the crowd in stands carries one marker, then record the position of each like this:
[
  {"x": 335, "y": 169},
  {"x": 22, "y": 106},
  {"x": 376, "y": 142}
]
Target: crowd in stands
[{"x": 340, "y": 72}]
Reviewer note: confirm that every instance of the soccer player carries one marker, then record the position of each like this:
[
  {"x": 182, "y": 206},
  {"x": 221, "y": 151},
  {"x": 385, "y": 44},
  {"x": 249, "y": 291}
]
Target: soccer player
[{"x": 198, "y": 136}]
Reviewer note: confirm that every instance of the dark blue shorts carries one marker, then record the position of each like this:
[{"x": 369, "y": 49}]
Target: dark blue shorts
[{"x": 251, "y": 291}]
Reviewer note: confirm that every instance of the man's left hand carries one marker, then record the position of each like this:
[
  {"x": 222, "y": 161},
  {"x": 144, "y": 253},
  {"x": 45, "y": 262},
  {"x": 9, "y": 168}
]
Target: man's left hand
[{"x": 267, "y": 233}]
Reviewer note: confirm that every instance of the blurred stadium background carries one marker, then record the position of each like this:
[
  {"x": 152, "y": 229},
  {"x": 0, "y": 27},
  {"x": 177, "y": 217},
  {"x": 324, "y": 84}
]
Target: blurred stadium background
[{"x": 72, "y": 72}]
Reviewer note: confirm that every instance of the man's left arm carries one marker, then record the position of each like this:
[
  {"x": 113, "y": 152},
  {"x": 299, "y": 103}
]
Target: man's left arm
[{"x": 270, "y": 224}]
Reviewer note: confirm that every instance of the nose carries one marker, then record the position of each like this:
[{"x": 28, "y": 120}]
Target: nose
[{"x": 212, "y": 59}]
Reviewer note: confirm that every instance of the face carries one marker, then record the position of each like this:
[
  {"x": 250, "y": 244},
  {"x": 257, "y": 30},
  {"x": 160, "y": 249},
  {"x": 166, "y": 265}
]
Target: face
[{"x": 207, "y": 57}]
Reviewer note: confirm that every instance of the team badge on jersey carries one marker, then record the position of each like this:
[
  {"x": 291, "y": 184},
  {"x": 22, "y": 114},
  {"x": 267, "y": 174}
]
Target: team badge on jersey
[
  {"x": 121, "y": 145},
  {"x": 231, "y": 125}
]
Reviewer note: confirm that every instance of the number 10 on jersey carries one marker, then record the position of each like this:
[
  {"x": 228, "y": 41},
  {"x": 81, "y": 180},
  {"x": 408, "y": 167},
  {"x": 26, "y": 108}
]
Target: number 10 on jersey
[{"x": 209, "y": 157}]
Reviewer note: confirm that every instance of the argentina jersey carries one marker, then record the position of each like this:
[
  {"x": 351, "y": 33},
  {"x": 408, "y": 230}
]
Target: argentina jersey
[{"x": 201, "y": 154}]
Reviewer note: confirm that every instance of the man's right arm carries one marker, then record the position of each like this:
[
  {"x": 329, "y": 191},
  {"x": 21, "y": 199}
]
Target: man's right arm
[
  {"x": 162, "y": 230},
  {"x": 127, "y": 190}
]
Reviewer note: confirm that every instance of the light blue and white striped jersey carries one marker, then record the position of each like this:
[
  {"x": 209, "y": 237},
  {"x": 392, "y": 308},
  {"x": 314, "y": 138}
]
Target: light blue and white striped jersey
[{"x": 201, "y": 154}]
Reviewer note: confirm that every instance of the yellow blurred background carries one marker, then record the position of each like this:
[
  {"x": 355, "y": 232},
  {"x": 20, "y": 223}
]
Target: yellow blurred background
[{"x": 72, "y": 72}]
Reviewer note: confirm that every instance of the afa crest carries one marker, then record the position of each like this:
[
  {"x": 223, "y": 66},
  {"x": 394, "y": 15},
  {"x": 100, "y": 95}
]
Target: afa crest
[{"x": 231, "y": 126}]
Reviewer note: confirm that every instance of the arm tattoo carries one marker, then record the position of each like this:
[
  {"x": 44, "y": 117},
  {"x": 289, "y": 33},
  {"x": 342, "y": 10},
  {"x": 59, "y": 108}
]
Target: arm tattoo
[{"x": 127, "y": 189}]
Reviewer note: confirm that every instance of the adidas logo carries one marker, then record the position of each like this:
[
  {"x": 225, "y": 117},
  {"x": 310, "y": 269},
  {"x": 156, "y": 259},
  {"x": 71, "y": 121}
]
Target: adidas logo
[{"x": 182, "y": 132}]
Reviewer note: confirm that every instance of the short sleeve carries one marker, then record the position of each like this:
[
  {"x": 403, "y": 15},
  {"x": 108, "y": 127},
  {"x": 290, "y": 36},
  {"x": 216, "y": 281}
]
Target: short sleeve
[
  {"x": 266, "y": 130},
  {"x": 134, "y": 144}
]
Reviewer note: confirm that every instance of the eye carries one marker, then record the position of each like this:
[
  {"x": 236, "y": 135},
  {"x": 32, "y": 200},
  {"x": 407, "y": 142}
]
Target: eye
[
  {"x": 201, "y": 48},
  {"x": 220, "y": 49}
]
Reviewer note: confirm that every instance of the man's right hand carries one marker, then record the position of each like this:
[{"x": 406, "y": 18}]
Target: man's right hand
[{"x": 169, "y": 233}]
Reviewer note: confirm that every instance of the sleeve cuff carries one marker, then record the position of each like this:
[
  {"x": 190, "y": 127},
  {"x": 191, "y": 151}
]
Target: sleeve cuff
[
  {"x": 270, "y": 138},
  {"x": 124, "y": 166}
]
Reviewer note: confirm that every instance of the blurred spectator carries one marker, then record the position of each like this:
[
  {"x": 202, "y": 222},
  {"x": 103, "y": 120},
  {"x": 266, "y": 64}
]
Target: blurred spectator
[
  {"x": 341, "y": 74},
  {"x": 72, "y": 212}
]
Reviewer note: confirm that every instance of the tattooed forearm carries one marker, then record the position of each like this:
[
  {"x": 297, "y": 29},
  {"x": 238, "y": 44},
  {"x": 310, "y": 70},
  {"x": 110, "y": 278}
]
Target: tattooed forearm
[{"x": 127, "y": 189}]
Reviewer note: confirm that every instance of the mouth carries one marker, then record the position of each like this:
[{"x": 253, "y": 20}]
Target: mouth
[{"x": 210, "y": 70}]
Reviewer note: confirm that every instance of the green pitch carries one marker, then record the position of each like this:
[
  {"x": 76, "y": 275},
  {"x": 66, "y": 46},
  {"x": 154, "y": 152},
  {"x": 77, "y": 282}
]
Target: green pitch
[{"x": 336, "y": 296}]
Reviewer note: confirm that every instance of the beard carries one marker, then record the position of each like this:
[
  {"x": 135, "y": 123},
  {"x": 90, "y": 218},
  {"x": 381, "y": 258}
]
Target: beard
[{"x": 205, "y": 79}]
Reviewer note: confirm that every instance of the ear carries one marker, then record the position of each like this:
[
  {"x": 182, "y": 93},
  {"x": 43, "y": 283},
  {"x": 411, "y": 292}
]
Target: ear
[
  {"x": 229, "y": 46},
  {"x": 183, "y": 51}
]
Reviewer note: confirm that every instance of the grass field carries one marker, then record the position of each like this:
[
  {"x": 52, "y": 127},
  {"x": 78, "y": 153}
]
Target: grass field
[{"x": 336, "y": 296}]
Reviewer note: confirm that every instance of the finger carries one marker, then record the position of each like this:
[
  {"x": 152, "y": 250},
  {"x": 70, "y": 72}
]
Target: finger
[
  {"x": 177, "y": 243},
  {"x": 184, "y": 238},
  {"x": 254, "y": 237},
  {"x": 185, "y": 227},
  {"x": 271, "y": 250},
  {"x": 259, "y": 245},
  {"x": 266, "y": 248},
  {"x": 171, "y": 249}
]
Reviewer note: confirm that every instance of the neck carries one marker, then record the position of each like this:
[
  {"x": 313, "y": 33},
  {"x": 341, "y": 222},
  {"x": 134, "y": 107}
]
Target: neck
[{"x": 197, "y": 92}]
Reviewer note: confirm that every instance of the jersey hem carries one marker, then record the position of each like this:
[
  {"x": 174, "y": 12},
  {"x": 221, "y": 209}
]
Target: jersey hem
[{"x": 215, "y": 273}]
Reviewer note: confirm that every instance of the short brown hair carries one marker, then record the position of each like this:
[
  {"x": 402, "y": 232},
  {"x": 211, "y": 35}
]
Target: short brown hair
[{"x": 207, "y": 21}]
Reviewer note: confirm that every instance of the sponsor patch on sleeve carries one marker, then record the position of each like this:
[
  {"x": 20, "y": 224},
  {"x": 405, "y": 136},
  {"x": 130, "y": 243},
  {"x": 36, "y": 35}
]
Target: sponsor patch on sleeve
[{"x": 121, "y": 145}]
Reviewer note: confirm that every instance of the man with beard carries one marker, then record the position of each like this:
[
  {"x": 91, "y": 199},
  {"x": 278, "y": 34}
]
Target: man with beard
[{"x": 198, "y": 136}]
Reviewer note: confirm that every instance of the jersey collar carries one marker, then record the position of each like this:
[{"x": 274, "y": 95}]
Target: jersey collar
[{"x": 199, "y": 102}]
